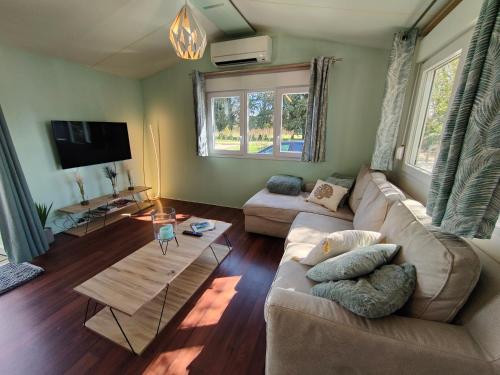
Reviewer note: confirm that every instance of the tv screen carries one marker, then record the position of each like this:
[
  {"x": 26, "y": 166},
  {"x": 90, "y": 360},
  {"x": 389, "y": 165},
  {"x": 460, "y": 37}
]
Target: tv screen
[{"x": 81, "y": 143}]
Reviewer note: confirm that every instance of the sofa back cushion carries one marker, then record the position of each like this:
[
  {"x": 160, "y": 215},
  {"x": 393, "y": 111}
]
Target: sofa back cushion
[
  {"x": 447, "y": 267},
  {"x": 362, "y": 180},
  {"x": 378, "y": 197}
]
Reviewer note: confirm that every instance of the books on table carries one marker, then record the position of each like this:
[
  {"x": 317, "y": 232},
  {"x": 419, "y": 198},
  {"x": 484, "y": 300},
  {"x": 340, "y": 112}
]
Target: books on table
[{"x": 203, "y": 226}]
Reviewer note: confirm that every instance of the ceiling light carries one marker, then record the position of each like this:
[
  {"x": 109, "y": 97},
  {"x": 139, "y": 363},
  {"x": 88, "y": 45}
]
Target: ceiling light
[{"x": 187, "y": 37}]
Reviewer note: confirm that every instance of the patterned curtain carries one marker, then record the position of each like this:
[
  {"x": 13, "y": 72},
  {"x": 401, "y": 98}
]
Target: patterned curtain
[
  {"x": 398, "y": 73},
  {"x": 317, "y": 105},
  {"x": 464, "y": 197},
  {"x": 22, "y": 233},
  {"x": 200, "y": 113}
]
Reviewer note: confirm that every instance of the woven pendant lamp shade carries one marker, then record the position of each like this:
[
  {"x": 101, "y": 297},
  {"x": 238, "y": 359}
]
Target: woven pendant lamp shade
[{"x": 187, "y": 37}]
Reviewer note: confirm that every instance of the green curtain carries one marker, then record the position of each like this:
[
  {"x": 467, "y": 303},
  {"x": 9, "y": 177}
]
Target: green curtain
[
  {"x": 200, "y": 113},
  {"x": 398, "y": 73},
  {"x": 317, "y": 107},
  {"x": 22, "y": 233},
  {"x": 464, "y": 196}
]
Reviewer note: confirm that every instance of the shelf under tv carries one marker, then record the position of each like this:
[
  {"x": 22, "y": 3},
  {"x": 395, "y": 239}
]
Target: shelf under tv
[{"x": 112, "y": 215}]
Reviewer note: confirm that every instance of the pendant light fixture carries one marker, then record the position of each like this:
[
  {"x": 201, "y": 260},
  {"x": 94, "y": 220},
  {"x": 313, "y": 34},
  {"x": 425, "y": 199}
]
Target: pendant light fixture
[{"x": 186, "y": 35}]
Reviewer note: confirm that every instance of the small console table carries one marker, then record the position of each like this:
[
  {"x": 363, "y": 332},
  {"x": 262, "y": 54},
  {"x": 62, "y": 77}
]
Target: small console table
[{"x": 109, "y": 214}]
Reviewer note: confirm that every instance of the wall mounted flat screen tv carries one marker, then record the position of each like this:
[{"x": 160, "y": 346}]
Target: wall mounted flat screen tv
[{"x": 81, "y": 143}]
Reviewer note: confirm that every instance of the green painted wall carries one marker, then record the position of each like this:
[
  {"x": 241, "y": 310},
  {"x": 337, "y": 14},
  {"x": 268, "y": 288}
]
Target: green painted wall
[
  {"x": 356, "y": 90},
  {"x": 36, "y": 89}
]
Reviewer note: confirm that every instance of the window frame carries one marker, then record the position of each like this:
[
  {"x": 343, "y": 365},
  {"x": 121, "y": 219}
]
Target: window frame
[
  {"x": 277, "y": 123},
  {"x": 210, "y": 127},
  {"x": 419, "y": 103}
]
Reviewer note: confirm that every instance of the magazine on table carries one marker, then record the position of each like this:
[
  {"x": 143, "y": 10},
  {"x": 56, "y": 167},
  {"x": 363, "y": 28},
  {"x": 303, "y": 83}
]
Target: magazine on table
[{"x": 203, "y": 226}]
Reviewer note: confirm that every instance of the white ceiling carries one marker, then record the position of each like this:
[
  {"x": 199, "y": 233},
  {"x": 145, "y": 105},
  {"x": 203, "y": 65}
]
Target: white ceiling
[{"x": 130, "y": 37}]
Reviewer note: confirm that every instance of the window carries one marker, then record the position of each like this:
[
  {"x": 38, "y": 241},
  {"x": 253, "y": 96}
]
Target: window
[
  {"x": 436, "y": 87},
  {"x": 258, "y": 120}
]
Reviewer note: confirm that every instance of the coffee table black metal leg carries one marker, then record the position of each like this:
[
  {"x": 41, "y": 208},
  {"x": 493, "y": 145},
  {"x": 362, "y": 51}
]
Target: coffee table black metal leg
[
  {"x": 86, "y": 312},
  {"x": 121, "y": 329},
  {"x": 213, "y": 252},
  {"x": 162, "y": 307},
  {"x": 228, "y": 243}
]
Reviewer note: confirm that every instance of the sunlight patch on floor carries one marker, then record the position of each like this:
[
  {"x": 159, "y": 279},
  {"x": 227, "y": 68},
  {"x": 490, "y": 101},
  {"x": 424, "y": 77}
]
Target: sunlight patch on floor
[{"x": 199, "y": 324}]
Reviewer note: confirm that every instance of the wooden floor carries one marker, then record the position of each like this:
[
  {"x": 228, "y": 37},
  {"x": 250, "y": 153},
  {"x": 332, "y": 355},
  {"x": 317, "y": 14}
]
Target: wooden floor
[{"x": 220, "y": 330}]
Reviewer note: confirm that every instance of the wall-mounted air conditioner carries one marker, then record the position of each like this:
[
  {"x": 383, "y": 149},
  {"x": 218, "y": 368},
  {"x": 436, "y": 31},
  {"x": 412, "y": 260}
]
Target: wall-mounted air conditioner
[{"x": 256, "y": 50}]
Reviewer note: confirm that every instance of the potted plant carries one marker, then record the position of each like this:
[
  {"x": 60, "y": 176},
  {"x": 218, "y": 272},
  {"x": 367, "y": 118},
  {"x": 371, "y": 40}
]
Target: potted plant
[
  {"x": 130, "y": 183},
  {"x": 111, "y": 174},
  {"x": 81, "y": 187},
  {"x": 43, "y": 213}
]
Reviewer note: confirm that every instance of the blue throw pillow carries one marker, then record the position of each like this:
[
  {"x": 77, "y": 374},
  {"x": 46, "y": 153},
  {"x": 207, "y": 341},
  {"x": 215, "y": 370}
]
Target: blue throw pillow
[
  {"x": 374, "y": 296},
  {"x": 355, "y": 263},
  {"x": 284, "y": 184}
]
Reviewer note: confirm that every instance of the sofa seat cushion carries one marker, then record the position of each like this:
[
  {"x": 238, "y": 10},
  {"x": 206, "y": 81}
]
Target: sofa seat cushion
[
  {"x": 378, "y": 197},
  {"x": 312, "y": 228},
  {"x": 291, "y": 274},
  {"x": 284, "y": 208},
  {"x": 447, "y": 267}
]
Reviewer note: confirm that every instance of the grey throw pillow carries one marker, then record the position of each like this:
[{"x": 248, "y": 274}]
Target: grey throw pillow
[
  {"x": 355, "y": 263},
  {"x": 284, "y": 184},
  {"x": 374, "y": 296}
]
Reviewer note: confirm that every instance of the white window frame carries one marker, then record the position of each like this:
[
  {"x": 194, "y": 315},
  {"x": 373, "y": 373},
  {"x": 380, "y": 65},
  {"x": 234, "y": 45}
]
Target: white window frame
[
  {"x": 210, "y": 127},
  {"x": 278, "y": 111},
  {"x": 420, "y": 177}
]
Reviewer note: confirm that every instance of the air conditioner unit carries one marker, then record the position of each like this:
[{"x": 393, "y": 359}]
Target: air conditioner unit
[{"x": 256, "y": 50}]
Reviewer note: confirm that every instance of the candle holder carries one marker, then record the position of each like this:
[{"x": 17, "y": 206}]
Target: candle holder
[{"x": 164, "y": 226}]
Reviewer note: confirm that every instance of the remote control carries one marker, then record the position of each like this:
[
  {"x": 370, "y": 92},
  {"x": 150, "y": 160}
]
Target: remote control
[{"x": 191, "y": 233}]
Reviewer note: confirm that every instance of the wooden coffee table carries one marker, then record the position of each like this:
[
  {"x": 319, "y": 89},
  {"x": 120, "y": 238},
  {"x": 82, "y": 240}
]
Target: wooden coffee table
[{"x": 134, "y": 290}]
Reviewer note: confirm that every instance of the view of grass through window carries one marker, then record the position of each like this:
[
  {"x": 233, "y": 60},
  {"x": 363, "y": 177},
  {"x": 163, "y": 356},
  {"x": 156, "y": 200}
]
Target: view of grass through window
[
  {"x": 293, "y": 121},
  {"x": 435, "y": 116},
  {"x": 260, "y": 122},
  {"x": 226, "y": 113}
]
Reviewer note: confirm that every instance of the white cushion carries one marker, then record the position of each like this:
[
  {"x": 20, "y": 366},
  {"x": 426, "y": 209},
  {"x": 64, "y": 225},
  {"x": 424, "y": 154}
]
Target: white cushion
[
  {"x": 327, "y": 195},
  {"x": 338, "y": 243},
  {"x": 312, "y": 228},
  {"x": 378, "y": 197},
  {"x": 447, "y": 267},
  {"x": 362, "y": 180}
]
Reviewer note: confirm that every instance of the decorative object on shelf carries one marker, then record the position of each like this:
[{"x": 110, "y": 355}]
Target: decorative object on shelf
[
  {"x": 129, "y": 178},
  {"x": 186, "y": 35},
  {"x": 111, "y": 174},
  {"x": 43, "y": 213},
  {"x": 164, "y": 226},
  {"x": 81, "y": 188}
]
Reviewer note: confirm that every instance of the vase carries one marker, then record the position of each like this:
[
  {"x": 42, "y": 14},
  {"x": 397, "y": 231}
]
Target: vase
[
  {"x": 131, "y": 188},
  {"x": 165, "y": 218},
  {"x": 84, "y": 202}
]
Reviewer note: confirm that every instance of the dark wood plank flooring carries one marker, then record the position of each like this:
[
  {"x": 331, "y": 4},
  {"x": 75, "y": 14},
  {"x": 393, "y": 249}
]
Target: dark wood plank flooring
[{"x": 221, "y": 330}]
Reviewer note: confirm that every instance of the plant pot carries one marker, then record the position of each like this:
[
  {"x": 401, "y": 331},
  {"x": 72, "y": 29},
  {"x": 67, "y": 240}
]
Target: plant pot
[
  {"x": 49, "y": 235},
  {"x": 84, "y": 203},
  {"x": 115, "y": 195},
  {"x": 131, "y": 188}
]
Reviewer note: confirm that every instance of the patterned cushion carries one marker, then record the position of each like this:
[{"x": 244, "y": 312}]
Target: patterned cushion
[
  {"x": 355, "y": 263},
  {"x": 379, "y": 294},
  {"x": 338, "y": 243},
  {"x": 327, "y": 195}
]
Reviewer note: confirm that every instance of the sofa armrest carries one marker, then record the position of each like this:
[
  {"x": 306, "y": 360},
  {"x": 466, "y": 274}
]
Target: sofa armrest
[{"x": 312, "y": 335}]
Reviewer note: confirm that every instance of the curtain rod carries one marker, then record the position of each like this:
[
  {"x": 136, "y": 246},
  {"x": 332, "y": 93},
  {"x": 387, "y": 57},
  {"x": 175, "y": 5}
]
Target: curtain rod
[
  {"x": 267, "y": 69},
  {"x": 431, "y": 4}
]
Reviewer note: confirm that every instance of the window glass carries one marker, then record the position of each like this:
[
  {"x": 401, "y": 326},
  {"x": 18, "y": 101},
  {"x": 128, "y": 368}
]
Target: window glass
[
  {"x": 443, "y": 78},
  {"x": 260, "y": 109},
  {"x": 293, "y": 120},
  {"x": 226, "y": 123}
]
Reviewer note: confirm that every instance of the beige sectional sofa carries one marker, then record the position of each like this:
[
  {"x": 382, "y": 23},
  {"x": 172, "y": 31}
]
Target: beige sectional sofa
[{"x": 433, "y": 334}]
